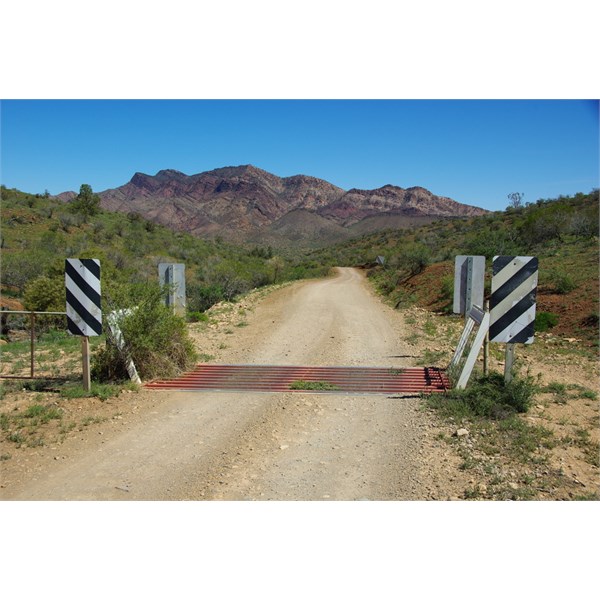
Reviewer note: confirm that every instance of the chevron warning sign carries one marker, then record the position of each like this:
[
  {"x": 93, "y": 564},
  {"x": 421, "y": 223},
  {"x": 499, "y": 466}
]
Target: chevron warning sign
[
  {"x": 512, "y": 303},
  {"x": 84, "y": 312}
]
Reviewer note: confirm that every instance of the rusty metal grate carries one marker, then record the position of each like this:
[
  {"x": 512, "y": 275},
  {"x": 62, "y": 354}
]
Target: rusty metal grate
[{"x": 356, "y": 380}]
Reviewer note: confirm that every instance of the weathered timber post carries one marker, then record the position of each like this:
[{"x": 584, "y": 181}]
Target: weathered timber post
[
  {"x": 32, "y": 323},
  {"x": 85, "y": 357}
]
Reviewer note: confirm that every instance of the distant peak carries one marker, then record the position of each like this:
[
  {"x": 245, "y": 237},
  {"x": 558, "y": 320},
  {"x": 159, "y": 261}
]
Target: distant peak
[
  {"x": 138, "y": 176},
  {"x": 151, "y": 181},
  {"x": 170, "y": 173},
  {"x": 238, "y": 171}
]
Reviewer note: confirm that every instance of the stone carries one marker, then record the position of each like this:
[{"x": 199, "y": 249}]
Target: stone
[{"x": 462, "y": 432}]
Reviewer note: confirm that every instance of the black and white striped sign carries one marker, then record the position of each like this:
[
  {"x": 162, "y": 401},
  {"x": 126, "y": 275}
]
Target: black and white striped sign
[
  {"x": 512, "y": 303},
  {"x": 84, "y": 312}
]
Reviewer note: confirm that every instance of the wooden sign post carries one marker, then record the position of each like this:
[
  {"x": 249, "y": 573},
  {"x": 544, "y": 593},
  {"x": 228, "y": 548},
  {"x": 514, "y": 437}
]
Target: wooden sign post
[
  {"x": 85, "y": 358},
  {"x": 84, "y": 312}
]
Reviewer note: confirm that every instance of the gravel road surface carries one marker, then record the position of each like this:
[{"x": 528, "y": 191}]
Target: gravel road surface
[{"x": 251, "y": 446}]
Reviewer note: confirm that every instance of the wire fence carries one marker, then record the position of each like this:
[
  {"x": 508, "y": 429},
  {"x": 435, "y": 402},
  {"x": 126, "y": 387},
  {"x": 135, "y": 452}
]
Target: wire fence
[{"x": 35, "y": 327}]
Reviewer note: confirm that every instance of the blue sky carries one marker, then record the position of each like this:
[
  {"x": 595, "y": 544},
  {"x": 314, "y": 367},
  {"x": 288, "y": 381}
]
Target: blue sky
[{"x": 476, "y": 152}]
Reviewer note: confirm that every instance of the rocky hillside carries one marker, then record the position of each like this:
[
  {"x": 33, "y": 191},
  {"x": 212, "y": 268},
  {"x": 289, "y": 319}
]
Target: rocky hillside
[{"x": 245, "y": 203}]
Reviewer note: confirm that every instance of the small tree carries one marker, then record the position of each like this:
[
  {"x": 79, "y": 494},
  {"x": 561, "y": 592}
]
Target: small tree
[
  {"x": 515, "y": 200},
  {"x": 19, "y": 269},
  {"x": 86, "y": 203},
  {"x": 412, "y": 260},
  {"x": 277, "y": 264}
]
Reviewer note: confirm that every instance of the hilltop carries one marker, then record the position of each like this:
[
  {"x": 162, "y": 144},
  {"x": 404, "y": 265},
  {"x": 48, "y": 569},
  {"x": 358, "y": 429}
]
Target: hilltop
[{"x": 245, "y": 203}]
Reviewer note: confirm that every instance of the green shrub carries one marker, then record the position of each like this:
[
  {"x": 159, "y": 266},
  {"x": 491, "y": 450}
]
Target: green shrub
[
  {"x": 202, "y": 297},
  {"x": 414, "y": 257},
  {"x": 562, "y": 282},
  {"x": 18, "y": 269},
  {"x": 195, "y": 316},
  {"x": 545, "y": 321},
  {"x": 155, "y": 338},
  {"x": 386, "y": 282},
  {"x": 45, "y": 294},
  {"x": 555, "y": 387},
  {"x": 488, "y": 396}
]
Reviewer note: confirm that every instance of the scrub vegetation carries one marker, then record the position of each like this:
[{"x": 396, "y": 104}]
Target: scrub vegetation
[
  {"x": 419, "y": 263},
  {"x": 39, "y": 232}
]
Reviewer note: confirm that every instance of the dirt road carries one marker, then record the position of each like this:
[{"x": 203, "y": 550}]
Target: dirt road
[{"x": 292, "y": 446}]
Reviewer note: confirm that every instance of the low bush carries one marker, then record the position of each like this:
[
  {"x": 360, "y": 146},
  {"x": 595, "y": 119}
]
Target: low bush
[
  {"x": 414, "y": 257},
  {"x": 155, "y": 338},
  {"x": 45, "y": 294},
  {"x": 545, "y": 321},
  {"x": 195, "y": 316},
  {"x": 201, "y": 297},
  {"x": 488, "y": 396},
  {"x": 562, "y": 282}
]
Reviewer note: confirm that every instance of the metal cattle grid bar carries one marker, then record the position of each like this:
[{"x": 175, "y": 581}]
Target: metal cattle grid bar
[{"x": 262, "y": 378}]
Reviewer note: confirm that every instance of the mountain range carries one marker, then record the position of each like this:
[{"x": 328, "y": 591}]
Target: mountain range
[{"x": 248, "y": 204}]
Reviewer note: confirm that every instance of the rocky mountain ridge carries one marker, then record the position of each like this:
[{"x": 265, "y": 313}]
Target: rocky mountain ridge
[{"x": 245, "y": 203}]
